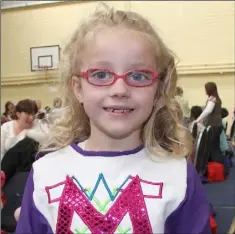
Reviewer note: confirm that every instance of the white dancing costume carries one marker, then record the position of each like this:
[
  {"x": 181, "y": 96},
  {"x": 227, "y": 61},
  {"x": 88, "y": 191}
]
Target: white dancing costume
[{"x": 77, "y": 191}]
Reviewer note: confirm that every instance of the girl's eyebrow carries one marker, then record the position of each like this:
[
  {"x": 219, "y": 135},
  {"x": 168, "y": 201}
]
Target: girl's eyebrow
[
  {"x": 140, "y": 65},
  {"x": 109, "y": 65},
  {"x": 101, "y": 63}
]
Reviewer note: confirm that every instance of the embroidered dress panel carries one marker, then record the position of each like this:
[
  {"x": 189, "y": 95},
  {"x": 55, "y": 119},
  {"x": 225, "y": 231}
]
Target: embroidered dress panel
[
  {"x": 131, "y": 200},
  {"x": 152, "y": 202}
]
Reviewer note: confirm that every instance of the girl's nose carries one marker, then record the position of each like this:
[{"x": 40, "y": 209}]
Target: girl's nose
[{"x": 119, "y": 89}]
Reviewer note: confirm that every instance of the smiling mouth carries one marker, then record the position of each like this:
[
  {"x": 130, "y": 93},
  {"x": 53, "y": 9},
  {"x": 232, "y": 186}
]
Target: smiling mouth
[{"x": 113, "y": 110}]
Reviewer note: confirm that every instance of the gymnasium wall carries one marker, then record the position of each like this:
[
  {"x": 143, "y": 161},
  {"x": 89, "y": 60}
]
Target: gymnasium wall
[{"x": 200, "y": 33}]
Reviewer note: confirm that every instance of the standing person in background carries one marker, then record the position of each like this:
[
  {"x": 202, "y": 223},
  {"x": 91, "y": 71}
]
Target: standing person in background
[
  {"x": 57, "y": 104},
  {"x": 184, "y": 106},
  {"x": 41, "y": 111},
  {"x": 48, "y": 111},
  {"x": 6, "y": 116},
  {"x": 211, "y": 116},
  {"x": 39, "y": 105}
]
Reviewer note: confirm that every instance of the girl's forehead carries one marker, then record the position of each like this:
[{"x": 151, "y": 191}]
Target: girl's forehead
[
  {"x": 119, "y": 46},
  {"x": 110, "y": 35}
]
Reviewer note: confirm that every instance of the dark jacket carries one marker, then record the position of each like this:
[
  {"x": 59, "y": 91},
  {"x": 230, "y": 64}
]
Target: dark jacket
[{"x": 16, "y": 164}]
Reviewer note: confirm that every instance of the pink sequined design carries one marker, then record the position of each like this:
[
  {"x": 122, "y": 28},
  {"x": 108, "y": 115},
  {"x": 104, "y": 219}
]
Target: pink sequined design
[{"x": 131, "y": 200}]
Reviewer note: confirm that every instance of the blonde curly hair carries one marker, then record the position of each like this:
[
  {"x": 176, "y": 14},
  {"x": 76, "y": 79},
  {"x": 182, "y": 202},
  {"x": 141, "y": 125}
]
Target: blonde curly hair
[{"x": 162, "y": 133}]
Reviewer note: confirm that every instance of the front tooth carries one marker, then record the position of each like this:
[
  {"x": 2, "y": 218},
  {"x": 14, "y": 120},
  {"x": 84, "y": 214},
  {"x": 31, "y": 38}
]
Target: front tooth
[{"x": 118, "y": 111}]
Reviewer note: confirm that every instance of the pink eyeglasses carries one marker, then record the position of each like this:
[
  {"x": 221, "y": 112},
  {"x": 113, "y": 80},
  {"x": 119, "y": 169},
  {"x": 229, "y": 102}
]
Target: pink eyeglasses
[{"x": 135, "y": 78}]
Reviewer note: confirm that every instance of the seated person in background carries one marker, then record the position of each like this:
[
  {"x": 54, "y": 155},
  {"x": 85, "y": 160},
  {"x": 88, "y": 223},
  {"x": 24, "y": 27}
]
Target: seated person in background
[
  {"x": 194, "y": 114},
  {"x": 6, "y": 116},
  {"x": 15, "y": 130},
  {"x": 17, "y": 163},
  {"x": 47, "y": 109},
  {"x": 224, "y": 114},
  {"x": 223, "y": 139}
]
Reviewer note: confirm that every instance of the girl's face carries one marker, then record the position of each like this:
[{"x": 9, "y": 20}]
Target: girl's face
[
  {"x": 118, "y": 110},
  {"x": 25, "y": 119}
]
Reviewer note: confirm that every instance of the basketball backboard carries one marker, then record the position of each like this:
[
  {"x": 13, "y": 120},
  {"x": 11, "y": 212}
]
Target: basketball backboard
[{"x": 45, "y": 57}]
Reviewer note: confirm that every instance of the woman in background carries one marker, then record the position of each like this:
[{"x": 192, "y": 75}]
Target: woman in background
[
  {"x": 15, "y": 130},
  {"x": 20, "y": 152},
  {"x": 211, "y": 116},
  {"x": 6, "y": 116}
]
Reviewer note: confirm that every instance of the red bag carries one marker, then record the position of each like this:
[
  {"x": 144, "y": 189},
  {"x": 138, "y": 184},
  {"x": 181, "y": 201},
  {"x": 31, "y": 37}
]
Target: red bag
[
  {"x": 215, "y": 172},
  {"x": 3, "y": 178},
  {"x": 213, "y": 225},
  {"x": 3, "y": 200}
]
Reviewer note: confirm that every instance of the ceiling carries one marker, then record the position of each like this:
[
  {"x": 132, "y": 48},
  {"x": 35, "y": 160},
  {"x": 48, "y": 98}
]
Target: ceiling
[{"x": 5, "y": 4}]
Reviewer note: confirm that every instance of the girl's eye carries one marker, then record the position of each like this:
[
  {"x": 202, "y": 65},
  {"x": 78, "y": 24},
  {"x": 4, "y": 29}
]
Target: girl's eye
[
  {"x": 140, "y": 76},
  {"x": 100, "y": 75}
]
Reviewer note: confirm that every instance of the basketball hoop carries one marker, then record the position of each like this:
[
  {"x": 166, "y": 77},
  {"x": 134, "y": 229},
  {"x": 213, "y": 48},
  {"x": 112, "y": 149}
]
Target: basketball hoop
[{"x": 43, "y": 68}]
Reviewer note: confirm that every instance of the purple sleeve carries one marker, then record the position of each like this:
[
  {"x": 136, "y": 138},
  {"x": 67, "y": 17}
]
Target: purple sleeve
[
  {"x": 193, "y": 214},
  {"x": 31, "y": 220}
]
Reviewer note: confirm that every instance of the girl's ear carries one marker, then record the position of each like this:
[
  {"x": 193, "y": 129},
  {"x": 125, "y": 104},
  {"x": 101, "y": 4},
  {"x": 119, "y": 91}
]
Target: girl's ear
[{"x": 76, "y": 86}]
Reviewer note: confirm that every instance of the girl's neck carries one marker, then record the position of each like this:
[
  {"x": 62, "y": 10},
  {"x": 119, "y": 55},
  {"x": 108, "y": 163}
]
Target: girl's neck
[{"x": 102, "y": 142}]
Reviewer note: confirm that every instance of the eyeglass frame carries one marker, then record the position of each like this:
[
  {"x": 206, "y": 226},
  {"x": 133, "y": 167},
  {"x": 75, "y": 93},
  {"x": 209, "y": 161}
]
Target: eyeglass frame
[{"x": 85, "y": 75}]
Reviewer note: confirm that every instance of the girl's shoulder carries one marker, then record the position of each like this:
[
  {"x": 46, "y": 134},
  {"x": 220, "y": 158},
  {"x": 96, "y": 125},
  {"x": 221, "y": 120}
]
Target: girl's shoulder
[{"x": 46, "y": 160}]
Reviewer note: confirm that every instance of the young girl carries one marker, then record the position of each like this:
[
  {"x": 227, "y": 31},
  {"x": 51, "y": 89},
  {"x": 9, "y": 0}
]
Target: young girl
[{"x": 119, "y": 164}]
